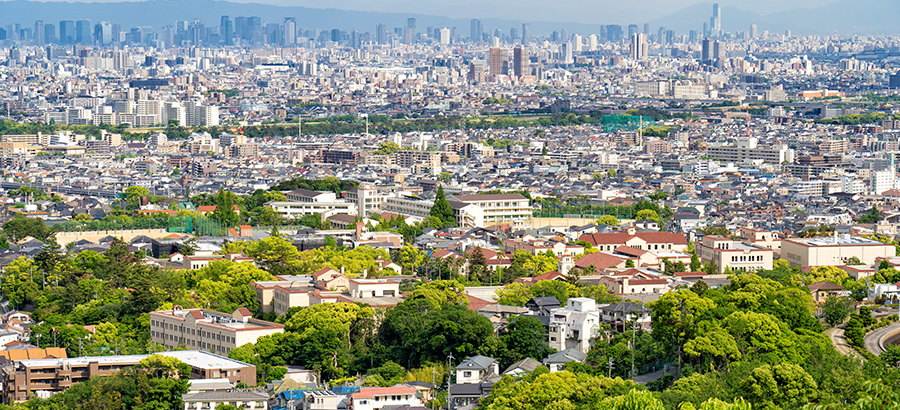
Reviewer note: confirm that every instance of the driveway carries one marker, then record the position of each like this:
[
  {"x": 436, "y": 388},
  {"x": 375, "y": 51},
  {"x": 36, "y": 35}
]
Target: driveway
[{"x": 836, "y": 335}]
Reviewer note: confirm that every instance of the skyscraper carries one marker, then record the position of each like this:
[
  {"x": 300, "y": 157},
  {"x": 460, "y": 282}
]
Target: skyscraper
[
  {"x": 526, "y": 33},
  {"x": 520, "y": 62},
  {"x": 50, "y": 34},
  {"x": 647, "y": 28},
  {"x": 632, "y": 30},
  {"x": 290, "y": 31},
  {"x": 67, "y": 32},
  {"x": 753, "y": 31},
  {"x": 476, "y": 30},
  {"x": 83, "y": 32},
  {"x": 495, "y": 61},
  {"x": 381, "y": 35},
  {"x": 103, "y": 33},
  {"x": 226, "y": 30},
  {"x": 411, "y": 23},
  {"x": 706, "y": 51},
  {"x": 638, "y": 46},
  {"x": 445, "y": 36},
  {"x": 715, "y": 22},
  {"x": 39, "y": 37}
]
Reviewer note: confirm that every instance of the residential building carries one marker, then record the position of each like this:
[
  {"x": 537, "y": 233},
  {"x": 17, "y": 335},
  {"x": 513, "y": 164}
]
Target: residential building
[
  {"x": 376, "y": 398},
  {"x": 24, "y": 378},
  {"x": 574, "y": 326},
  {"x": 747, "y": 149},
  {"x": 727, "y": 253},
  {"x": 497, "y": 208},
  {"x": 207, "y": 329},
  {"x": 241, "y": 399}
]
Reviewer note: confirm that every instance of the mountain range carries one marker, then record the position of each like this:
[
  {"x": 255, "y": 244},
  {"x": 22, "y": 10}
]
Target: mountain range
[{"x": 847, "y": 17}]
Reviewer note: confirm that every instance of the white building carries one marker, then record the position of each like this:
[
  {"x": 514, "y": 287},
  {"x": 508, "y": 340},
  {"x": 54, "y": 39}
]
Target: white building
[
  {"x": 574, "y": 326},
  {"x": 376, "y": 398}
]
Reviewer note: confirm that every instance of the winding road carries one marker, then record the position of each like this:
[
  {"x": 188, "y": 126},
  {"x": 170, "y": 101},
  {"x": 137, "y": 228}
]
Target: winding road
[{"x": 874, "y": 340}]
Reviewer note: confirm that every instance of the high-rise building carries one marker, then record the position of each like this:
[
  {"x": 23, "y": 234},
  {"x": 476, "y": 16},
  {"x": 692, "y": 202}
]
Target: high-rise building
[
  {"x": 753, "y": 31},
  {"x": 632, "y": 30},
  {"x": 50, "y": 36},
  {"x": 576, "y": 43},
  {"x": 476, "y": 30},
  {"x": 614, "y": 33},
  {"x": 67, "y": 32},
  {"x": 526, "y": 33},
  {"x": 565, "y": 53},
  {"x": 520, "y": 62},
  {"x": 647, "y": 29},
  {"x": 290, "y": 31},
  {"x": 83, "y": 32},
  {"x": 715, "y": 22},
  {"x": 638, "y": 46},
  {"x": 411, "y": 23},
  {"x": 39, "y": 37},
  {"x": 495, "y": 61},
  {"x": 381, "y": 35},
  {"x": 706, "y": 51},
  {"x": 226, "y": 31},
  {"x": 445, "y": 36}
]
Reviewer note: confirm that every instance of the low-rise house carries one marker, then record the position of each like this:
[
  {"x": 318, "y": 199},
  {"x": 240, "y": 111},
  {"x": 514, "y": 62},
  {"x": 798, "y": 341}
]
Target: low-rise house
[
  {"x": 377, "y": 398},
  {"x": 820, "y": 291},
  {"x": 211, "y": 400},
  {"x": 574, "y": 326},
  {"x": 522, "y": 367},
  {"x": 557, "y": 361}
]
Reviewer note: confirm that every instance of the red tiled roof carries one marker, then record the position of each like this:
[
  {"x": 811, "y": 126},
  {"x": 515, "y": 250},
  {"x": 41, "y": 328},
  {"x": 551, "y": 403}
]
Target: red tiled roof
[
  {"x": 600, "y": 260},
  {"x": 476, "y": 303}
]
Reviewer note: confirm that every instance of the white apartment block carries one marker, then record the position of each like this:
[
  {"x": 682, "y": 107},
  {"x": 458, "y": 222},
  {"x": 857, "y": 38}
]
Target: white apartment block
[
  {"x": 407, "y": 205},
  {"x": 204, "y": 329},
  {"x": 496, "y": 208},
  {"x": 747, "y": 150},
  {"x": 574, "y": 326}
]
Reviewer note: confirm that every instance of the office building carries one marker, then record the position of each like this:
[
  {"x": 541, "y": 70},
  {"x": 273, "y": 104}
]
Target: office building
[
  {"x": 834, "y": 250},
  {"x": 289, "y": 30},
  {"x": 715, "y": 22},
  {"x": 638, "y": 46},
  {"x": 39, "y": 36},
  {"x": 520, "y": 62},
  {"x": 496, "y": 61},
  {"x": 83, "y": 32},
  {"x": 445, "y": 36},
  {"x": 67, "y": 32},
  {"x": 411, "y": 23},
  {"x": 476, "y": 30},
  {"x": 208, "y": 330},
  {"x": 526, "y": 33},
  {"x": 226, "y": 31}
]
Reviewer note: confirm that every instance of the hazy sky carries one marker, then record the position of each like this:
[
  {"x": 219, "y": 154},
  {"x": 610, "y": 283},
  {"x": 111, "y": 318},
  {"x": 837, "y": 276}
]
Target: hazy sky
[
  {"x": 578, "y": 11},
  {"x": 582, "y": 11}
]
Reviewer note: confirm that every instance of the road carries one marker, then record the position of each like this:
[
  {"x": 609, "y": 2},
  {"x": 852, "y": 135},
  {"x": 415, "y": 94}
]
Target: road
[
  {"x": 837, "y": 339},
  {"x": 872, "y": 338}
]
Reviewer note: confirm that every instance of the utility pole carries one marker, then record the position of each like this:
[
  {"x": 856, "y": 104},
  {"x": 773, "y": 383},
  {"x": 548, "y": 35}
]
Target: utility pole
[
  {"x": 449, "y": 378},
  {"x": 633, "y": 346}
]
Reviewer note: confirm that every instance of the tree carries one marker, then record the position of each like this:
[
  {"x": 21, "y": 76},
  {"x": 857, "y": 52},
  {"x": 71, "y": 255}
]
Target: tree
[
  {"x": 782, "y": 385},
  {"x": 695, "y": 263},
  {"x": 477, "y": 264},
  {"x": 386, "y": 148},
  {"x": 648, "y": 215},
  {"x": 525, "y": 336},
  {"x": 836, "y": 310},
  {"x": 608, "y": 220},
  {"x": 442, "y": 210},
  {"x": 675, "y": 316},
  {"x": 225, "y": 213},
  {"x": 133, "y": 196},
  {"x": 327, "y": 333},
  {"x": 20, "y": 227},
  {"x": 629, "y": 263},
  {"x": 873, "y": 216}
]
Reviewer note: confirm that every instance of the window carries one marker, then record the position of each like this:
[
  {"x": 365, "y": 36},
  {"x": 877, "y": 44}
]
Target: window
[{"x": 467, "y": 374}]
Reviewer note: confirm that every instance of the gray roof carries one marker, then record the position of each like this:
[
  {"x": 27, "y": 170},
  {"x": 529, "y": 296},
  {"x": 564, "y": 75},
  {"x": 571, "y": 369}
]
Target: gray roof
[
  {"x": 565, "y": 356},
  {"x": 624, "y": 307},
  {"x": 527, "y": 364},
  {"x": 225, "y": 396},
  {"x": 476, "y": 362}
]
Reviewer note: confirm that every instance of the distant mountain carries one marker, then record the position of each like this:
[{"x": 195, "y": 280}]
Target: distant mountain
[
  {"x": 159, "y": 13},
  {"x": 846, "y": 16}
]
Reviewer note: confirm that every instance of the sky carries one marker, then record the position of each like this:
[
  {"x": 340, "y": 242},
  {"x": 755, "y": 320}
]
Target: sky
[{"x": 576, "y": 11}]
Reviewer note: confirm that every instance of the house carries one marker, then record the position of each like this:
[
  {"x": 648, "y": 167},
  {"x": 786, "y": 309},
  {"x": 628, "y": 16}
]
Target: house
[
  {"x": 522, "y": 367},
  {"x": 822, "y": 290},
  {"x": 651, "y": 241},
  {"x": 240, "y": 399},
  {"x": 476, "y": 369},
  {"x": 558, "y": 360},
  {"x": 726, "y": 253},
  {"x": 376, "y": 398},
  {"x": 620, "y": 314},
  {"x": 475, "y": 377},
  {"x": 574, "y": 326},
  {"x": 542, "y": 306}
]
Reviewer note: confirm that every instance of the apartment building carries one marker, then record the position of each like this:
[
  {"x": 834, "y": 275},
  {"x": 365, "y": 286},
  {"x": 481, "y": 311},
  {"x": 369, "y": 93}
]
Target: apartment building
[
  {"x": 377, "y": 398},
  {"x": 735, "y": 255},
  {"x": 650, "y": 241},
  {"x": 748, "y": 149},
  {"x": 497, "y": 209},
  {"x": 207, "y": 329},
  {"x": 24, "y": 378}
]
